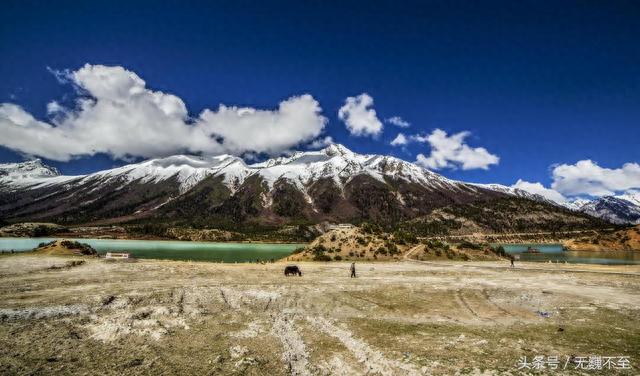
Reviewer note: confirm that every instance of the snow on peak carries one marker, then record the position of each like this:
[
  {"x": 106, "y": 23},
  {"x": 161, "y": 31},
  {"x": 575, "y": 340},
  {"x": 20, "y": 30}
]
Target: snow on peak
[
  {"x": 32, "y": 174},
  {"x": 631, "y": 196},
  {"x": 511, "y": 191},
  {"x": 27, "y": 170},
  {"x": 336, "y": 149},
  {"x": 340, "y": 164},
  {"x": 614, "y": 209},
  {"x": 187, "y": 169},
  {"x": 576, "y": 204}
]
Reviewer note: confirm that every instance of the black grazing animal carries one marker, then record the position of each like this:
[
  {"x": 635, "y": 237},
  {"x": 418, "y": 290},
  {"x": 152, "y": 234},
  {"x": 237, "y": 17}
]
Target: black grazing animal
[{"x": 292, "y": 270}]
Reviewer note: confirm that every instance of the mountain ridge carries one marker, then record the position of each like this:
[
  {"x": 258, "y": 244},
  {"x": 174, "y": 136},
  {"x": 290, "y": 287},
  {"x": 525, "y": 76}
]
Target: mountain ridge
[{"x": 332, "y": 184}]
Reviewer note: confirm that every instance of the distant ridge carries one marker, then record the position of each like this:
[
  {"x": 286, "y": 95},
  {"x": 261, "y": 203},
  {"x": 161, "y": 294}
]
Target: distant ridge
[{"x": 333, "y": 184}]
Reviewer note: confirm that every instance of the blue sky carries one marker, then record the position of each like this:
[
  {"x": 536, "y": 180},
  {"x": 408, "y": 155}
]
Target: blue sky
[{"x": 536, "y": 84}]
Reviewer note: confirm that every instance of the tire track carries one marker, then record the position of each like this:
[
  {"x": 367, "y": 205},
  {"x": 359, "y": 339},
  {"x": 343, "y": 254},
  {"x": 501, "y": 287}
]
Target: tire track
[
  {"x": 463, "y": 302},
  {"x": 373, "y": 360},
  {"x": 485, "y": 294}
]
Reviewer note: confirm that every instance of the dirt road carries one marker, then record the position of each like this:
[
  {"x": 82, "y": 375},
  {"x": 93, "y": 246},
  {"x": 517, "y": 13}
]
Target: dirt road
[{"x": 404, "y": 318}]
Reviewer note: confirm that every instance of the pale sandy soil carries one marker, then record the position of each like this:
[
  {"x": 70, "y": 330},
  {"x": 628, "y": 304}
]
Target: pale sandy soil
[{"x": 396, "y": 318}]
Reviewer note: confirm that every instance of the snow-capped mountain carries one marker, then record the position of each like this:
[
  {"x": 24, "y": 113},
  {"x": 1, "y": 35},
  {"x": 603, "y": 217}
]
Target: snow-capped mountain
[
  {"x": 301, "y": 168},
  {"x": 330, "y": 184},
  {"x": 518, "y": 192},
  {"x": 631, "y": 196},
  {"x": 575, "y": 204},
  {"x": 29, "y": 174},
  {"x": 25, "y": 170},
  {"x": 623, "y": 209}
]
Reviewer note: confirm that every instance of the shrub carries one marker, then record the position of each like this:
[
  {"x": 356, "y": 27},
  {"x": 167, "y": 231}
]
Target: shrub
[
  {"x": 370, "y": 228},
  {"x": 500, "y": 251},
  {"x": 392, "y": 248},
  {"x": 85, "y": 249},
  {"x": 469, "y": 245},
  {"x": 337, "y": 258},
  {"x": 321, "y": 258}
]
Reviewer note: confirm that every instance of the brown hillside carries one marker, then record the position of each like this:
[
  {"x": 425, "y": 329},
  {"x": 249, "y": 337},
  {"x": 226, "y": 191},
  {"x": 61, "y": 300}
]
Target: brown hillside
[{"x": 622, "y": 240}]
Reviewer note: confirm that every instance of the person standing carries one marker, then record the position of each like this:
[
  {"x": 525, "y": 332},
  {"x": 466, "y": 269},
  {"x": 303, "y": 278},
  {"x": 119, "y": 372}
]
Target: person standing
[{"x": 353, "y": 270}]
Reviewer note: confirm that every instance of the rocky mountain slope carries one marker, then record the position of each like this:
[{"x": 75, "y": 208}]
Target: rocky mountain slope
[
  {"x": 622, "y": 209},
  {"x": 333, "y": 184}
]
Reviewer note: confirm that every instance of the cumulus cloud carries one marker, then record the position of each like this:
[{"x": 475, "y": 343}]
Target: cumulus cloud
[
  {"x": 118, "y": 115},
  {"x": 359, "y": 117},
  {"x": 398, "y": 122},
  {"x": 452, "y": 152},
  {"x": 538, "y": 188},
  {"x": 587, "y": 177},
  {"x": 400, "y": 140}
]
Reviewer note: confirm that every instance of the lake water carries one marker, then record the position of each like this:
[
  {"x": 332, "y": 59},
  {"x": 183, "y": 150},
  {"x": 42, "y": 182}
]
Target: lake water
[
  {"x": 554, "y": 253},
  {"x": 171, "y": 250}
]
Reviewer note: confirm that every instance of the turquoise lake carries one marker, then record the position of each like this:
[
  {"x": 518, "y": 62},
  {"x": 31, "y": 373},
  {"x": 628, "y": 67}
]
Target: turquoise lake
[
  {"x": 250, "y": 252},
  {"x": 554, "y": 253},
  {"x": 171, "y": 250}
]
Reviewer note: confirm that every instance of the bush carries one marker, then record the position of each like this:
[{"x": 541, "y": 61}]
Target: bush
[
  {"x": 404, "y": 237},
  {"x": 469, "y": 245},
  {"x": 370, "y": 228},
  {"x": 321, "y": 258},
  {"x": 500, "y": 251},
  {"x": 337, "y": 258},
  {"x": 85, "y": 249}
]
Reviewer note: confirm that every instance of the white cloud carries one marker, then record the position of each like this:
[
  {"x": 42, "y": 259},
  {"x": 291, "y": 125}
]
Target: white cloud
[
  {"x": 398, "y": 122},
  {"x": 400, "y": 139},
  {"x": 538, "y": 188},
  {"x": 54, "y": 107},
  {"x": 360, "y": 119},
  {"x": 452, "y": 152},
  {"x": 118, "y": 115},
  {"x": 586, "y": 177},
  {"x": 321, "y": 143}
]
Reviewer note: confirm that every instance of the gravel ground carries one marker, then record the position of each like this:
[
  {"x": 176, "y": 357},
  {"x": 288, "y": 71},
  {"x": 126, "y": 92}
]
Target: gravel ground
[{"x": 396, "y": 318}]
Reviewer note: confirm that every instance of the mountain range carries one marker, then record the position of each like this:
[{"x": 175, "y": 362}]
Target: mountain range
[
  {"x": 622, "y": 209},
  {"x": 333, "y": 184}
]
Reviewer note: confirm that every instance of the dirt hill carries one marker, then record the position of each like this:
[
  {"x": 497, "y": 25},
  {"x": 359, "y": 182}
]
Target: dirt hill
[
  {"x": 366, "y": 244},
  {"x": 65, "y": 248},
  {"x": 627, "y": 239}
]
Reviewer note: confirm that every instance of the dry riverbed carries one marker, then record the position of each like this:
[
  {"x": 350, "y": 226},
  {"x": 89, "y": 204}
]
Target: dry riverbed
[{"x": 397, "y": 318}]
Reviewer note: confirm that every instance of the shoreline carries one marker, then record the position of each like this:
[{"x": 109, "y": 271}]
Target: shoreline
[{"x": 75, "y": 237}]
